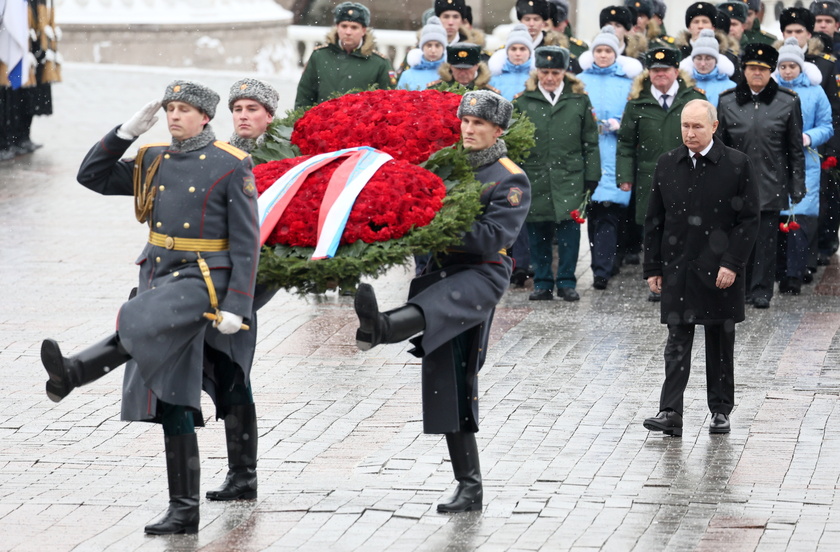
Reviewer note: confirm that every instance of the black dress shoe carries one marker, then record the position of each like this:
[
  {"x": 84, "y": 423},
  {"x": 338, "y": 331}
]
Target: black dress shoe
[
  {"x": 28, "y": 145},
  {"x": 568, "y": 294},
  {"x": 667, "y": 421},
  {"x": 761, "y": 302},
  {"x": 719, "y": 423},
  {"x": 654, "y": 297},
  {"x": 6, "y": 154},
  {"x": 518, "y": 277},
  {"x": 600, "y": 282},
  {"x": 808, "y": 277},
  {"x": 541, "y": 295},
  {"x": 791, "y": 286},
  {"x": 823, "y": 259}
]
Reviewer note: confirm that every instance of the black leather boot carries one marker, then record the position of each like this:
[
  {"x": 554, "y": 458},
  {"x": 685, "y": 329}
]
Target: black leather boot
[
  {"x": 184, "y": 474},
  {"x": 89, "y": 365},
  {"x": 463, "y": 451},
  {"x": 384, "y": 327},
  {"x": 241, "y": 432}
]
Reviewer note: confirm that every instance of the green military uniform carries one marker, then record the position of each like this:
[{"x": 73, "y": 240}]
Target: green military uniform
[
  {"x": 331, "y": 70},
  {"x": 647, "y": 131},
  {"x": 756, "y": 35},
  {"x": 566, "y": 150}
]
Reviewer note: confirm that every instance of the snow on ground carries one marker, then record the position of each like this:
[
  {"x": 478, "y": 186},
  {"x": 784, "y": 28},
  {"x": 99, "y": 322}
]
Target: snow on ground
[{"x": 167, "y": 12}]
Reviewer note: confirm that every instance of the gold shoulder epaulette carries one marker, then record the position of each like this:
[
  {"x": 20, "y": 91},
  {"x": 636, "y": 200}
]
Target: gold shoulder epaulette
[
  {"x": 156, "y": 145},
  {"x": 518, "y": 94},
  {"x": 322, "y": 46},
  {"x": 380, "y": 54},
  {"x": 788, "y": 90},
  {"x": 668, "y": 39},
  {"x": 769, "y": 35},
  {"x": 433, "y": 83},
  {"x": 700, "y": 90},
  {"x": 233, "y": 150},
  {"x": 512, "y": 167},
  {"x": 493, "y": 89},
  {"x": 829, "y": 57},
  {"x": 578, "y": 41}
]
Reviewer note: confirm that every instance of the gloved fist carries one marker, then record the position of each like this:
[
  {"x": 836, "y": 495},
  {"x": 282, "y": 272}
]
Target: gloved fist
[
  {"x": 230, "y": 324},
  {"x": 590, "y": 185},
  {"x": 142, "y": 121}
]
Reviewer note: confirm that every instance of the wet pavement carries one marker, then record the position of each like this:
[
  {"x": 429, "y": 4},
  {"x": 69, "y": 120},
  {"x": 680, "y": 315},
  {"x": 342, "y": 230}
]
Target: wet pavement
[{"x": 343, "y": 462}]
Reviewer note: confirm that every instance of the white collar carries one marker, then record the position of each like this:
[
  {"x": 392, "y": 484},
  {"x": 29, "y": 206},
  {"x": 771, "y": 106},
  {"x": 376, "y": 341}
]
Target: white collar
[
  {"x": 556, "y": 92},
  {"x": 672, "y": 92}
]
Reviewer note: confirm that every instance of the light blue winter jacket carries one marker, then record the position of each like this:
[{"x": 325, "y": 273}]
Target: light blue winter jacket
[
  {"x": 608, "y": 88},
  {"x": 712, "y": 83},
  {"x": 421, "y": 72},
  {"x": 816, "y": 123},
  {"x": 512, "y": 79}
]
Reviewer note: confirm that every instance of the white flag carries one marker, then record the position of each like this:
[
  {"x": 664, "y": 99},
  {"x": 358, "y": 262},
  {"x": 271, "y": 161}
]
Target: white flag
[{"x": 14, "y": 41}]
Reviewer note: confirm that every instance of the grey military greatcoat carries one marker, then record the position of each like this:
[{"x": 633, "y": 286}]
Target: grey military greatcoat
[
  {"x": 458, "y": 296},
  {"x": 204, "y": 190}
]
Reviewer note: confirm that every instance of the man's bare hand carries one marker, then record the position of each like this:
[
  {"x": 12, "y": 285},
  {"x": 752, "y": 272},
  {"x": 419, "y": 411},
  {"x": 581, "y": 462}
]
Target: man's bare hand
[
  {"x": 725, "y": 278},
  {"x": 655, "y": 284}
]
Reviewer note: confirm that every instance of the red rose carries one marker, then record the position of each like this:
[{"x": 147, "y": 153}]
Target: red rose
[
  {"x": 793, "y": 225},
  {"x": 784, "y": 227}
]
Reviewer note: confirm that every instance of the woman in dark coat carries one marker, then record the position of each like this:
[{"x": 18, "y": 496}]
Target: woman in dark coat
[
  {"x": 701, "y": 224},
  {"x": 452, "y": 302}
]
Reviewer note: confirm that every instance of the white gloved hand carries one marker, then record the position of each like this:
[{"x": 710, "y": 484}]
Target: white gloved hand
[
  {"x": 614, "y": 124},
  {"x": 806, "y": 140},
  {"x": 140, "y": 122},
  {"x": 230, "y": 324}
]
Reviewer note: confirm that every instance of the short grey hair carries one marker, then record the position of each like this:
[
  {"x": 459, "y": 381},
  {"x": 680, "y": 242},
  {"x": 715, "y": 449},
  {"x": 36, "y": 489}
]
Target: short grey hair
[{"x": 711, "y": 110}]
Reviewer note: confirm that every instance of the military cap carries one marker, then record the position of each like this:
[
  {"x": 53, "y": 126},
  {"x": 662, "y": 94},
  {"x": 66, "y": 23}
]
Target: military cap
[
  {"x": 659, "y": 8},
  {"x": 257, "y": 90},
  {"x": 700, "y": 8},
  {"x": 642, "y": 7},
  {"x": 559, "y": 11},
  {"x": 735, "y": 10},
  {"x": 662, "y": 57},
  {"x": 552, "y": 57},
  {"x": 537, "y": 7},
  {"x": 827, "y": 41},
  {"x": 798, "y": 16},
  {"x": 352, "y": 11},
  {"x": 826, "y": 7},
  {"x": 754, "y": 5},
  {"x": 759, "y": 54},
  {"x": 722, "y": 21},
  {"x": 468, "y": 14},
  {"x": 618, "y": 14},
  {"x": 459, "y": 6},
  {"x": 486, "y": 105},
  {"x": 463, "y": 54},
  {"x": 193, "y": 93}
]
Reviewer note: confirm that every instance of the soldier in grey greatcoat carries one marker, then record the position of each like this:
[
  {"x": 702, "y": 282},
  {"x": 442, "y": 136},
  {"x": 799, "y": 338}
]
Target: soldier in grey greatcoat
[
  {"x": 198, "y": 196},
  {"x": 253, "y": 104},
  {"x": 453, "y": 301}
]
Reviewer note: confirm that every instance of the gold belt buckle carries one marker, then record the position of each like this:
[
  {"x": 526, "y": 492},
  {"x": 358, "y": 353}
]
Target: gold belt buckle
[{"x": 169, "y": 243}]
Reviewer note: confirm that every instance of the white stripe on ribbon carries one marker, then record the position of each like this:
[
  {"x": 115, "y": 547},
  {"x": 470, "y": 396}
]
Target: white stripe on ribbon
[{"x": 330, "y": 234}]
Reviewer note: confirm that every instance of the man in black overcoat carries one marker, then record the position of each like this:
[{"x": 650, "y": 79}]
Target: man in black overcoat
[
  {"x": 452, "y": 302},
  {"x": 701, "y": 225}
]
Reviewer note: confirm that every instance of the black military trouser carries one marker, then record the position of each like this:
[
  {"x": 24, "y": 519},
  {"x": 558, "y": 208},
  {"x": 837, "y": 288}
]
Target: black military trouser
[
  {"x": 761, "y": 268},
  {"x": 720, "y": 363}
]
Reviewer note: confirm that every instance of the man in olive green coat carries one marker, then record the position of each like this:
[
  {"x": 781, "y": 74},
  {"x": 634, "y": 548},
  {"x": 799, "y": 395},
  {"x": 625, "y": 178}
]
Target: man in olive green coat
[
  {"x": 347, "y": 61},
  {"x": 564, "y": 163},
  {"x": 650, "y": 126}
]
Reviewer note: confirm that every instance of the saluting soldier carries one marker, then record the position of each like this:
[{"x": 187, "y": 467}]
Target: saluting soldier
[
  {"x": 198, "y": 197},
  {"x": 453, "y": 302},
  {"x": 347, "y": 61},
  {"x": 650, "y": 126},
  {"x": 464, "y": 66}
]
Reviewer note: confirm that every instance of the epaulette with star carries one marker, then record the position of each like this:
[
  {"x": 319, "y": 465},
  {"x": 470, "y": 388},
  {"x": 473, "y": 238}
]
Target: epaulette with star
[
  {"x": 493, "y": 89},
  {"x": 434, "y": 83},
  {"x": 700, "y": 90},
  {"x": 577, "y": 41},
  {"x": 829, "y": 57},
  {"x": 515, "y": 97},
  {"x": 668, "y": 39},
  {"x": 380, "y": 54}
]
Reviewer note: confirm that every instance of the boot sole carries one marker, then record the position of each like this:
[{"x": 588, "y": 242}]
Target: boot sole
[
  {"x": 183, "y": 531},
  {"x": 367, "y": 310},
  {"x": 674, "y": 431},
  {"x": 53, "y": 362},
  {"x": 246, "y": 495},
  {"x": 475, "y": 507}
]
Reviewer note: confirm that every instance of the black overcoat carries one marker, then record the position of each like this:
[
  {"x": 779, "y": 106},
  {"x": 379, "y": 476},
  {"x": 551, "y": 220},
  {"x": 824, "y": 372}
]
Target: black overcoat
[{"x": 698, "y": 220}]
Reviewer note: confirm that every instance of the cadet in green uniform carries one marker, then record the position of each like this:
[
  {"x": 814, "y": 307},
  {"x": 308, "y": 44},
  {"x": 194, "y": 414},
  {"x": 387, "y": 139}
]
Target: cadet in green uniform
[
  {"x": 753, "y": 33},
  {"x": 464, "y": 66},
  {"x": 564, "y": 163},
  {"x": 347, "y": 61},
  {"x": 650, "y": 125}
]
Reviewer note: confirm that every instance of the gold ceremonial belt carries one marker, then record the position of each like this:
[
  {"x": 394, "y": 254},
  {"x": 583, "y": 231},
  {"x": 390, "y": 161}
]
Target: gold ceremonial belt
[{"x": 187, "y": 244}]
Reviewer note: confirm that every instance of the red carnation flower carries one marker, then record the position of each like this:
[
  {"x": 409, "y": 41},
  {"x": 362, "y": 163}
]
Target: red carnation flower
[{"x": 829, "y": 163}]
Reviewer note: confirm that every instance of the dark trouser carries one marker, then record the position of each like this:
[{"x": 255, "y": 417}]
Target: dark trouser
[
  {"x": 761, "y": 268},
  {"x": 541, "y": 235},
  {"x": 604, "y": 221},
  {"x": 720, "y": 354},
  {"x": 521, "y": 250},
  {"x": 630, "y": 234},
  {"x": 794, "y": 249},
  {"x": 829, "y": 214}
]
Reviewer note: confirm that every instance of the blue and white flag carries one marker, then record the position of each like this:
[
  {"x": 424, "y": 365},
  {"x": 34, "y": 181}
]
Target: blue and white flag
[{"x": 14, "y": 41}]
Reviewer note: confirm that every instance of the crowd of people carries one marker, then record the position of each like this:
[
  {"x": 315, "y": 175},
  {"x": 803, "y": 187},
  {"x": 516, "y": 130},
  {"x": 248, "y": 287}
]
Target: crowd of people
[{"x": 635, "y": 79}]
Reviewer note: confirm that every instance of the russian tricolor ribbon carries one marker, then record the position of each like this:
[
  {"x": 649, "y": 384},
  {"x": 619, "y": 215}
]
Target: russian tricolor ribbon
[
  {"x": 14, "y": 41},
  {"x": 348, "y": 180}
]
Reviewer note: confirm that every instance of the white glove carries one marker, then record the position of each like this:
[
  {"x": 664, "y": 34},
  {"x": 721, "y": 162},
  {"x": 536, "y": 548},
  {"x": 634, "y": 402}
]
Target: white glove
[
  {"x": 614, "y": 124},
  {"x": 142, "y": 121},
  {"x": 230, "y": 324},
  {"x": 49, "y": 32},
  {"x": 806, "y": 140}
]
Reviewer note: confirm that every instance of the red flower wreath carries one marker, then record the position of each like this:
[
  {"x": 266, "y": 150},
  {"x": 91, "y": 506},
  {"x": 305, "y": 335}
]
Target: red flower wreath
[
  {"x": 397, "y": 198},
  {"x": 409, "y": 125}
]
